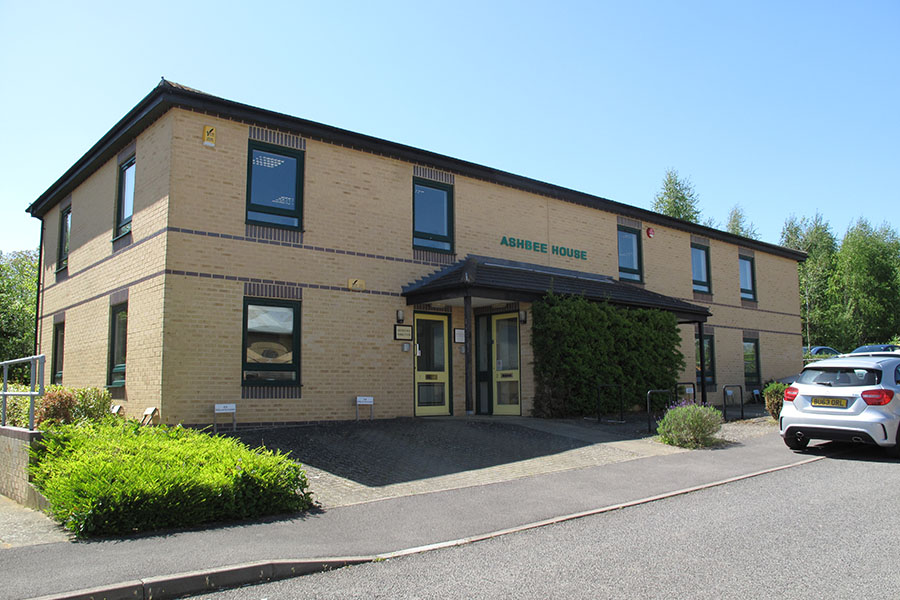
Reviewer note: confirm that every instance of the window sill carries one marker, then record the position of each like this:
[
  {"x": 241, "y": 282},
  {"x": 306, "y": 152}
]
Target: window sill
[
  {"x": 703, "y": 296},
  {"x": 121, "y": 241},
  {"x": 749, "y": 303},
  {"x": 634, "y": 282}
]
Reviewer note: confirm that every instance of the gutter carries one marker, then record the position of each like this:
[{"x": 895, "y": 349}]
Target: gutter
[{"x": 40, "y": 289}]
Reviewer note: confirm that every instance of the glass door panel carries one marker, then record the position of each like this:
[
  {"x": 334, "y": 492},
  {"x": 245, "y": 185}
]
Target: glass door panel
[
  {"x": 505, "y": 365},
  {"x": 432, "y": 373}
]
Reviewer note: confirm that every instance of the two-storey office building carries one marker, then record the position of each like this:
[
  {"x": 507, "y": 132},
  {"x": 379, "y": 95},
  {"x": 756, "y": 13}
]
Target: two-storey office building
[{"x": 205, "y": 251}]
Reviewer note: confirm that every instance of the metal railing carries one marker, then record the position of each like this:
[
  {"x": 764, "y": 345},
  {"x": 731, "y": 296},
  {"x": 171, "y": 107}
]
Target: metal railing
[{"x": 37, "y": 381}]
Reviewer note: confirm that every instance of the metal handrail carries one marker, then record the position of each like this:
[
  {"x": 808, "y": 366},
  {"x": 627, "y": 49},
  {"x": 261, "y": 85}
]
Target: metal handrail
[{"x": 37, "y": 367}]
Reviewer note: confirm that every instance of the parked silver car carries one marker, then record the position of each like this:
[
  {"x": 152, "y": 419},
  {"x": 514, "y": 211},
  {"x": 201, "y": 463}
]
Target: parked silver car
[{"x": 851, "y": 398}]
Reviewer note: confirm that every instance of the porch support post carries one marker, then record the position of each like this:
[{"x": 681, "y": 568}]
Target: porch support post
[
  {"x": 467, "y": 310},
  {"x": 702, "y": 347}
]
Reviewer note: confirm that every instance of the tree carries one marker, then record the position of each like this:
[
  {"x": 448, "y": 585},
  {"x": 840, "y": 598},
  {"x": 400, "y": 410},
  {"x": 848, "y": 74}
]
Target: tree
[
  {"x": 814, "y": 237},
  {"x": 864, "y": 291},
  {"x": 739, "y": 225},
  {"x": 18, "y": 289},
  {"x": 677, "y": 198}
]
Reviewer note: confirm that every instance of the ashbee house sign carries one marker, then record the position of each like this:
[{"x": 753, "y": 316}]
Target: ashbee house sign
[{"x": 542, "y": 247}]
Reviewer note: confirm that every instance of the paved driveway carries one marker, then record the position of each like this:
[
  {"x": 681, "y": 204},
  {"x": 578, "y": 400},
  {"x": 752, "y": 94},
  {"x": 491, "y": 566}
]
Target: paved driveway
[{"x": 349, "y": 463}]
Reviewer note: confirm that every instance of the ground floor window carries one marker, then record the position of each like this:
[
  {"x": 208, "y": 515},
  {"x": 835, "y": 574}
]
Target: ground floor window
[
  {"x": 751, "y": 363},
  {"x": 118, "y": 333},
  {"x": 56, "y": 374},
  {"x": 709, "y": 348},
  {"x": 271, "y": 342}
]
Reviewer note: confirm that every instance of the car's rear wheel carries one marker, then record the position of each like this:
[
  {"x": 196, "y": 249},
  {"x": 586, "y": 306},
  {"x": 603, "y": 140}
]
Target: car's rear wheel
[
  {"x": 795, "y": 443},
  {"x": 894, "y": 451}
]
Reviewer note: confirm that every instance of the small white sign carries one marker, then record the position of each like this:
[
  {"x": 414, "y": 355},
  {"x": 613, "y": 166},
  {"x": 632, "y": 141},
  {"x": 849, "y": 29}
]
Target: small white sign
[
  {"x": 365, "y": 400},
  {"x": 226, "y": 408}
]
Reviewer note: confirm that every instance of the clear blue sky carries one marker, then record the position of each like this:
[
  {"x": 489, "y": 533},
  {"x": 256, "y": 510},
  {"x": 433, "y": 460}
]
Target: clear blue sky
[{"x": 780, "y": 107}]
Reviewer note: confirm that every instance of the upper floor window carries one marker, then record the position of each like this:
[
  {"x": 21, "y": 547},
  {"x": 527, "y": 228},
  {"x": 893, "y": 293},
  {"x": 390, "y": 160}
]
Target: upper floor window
[
  {"x": 65, "y": 228},
  {"x": 700, "y": 268},
  {"x": 125, "y": 197},
  {"x": 274, "y": 186},
  {"x": 118, "y": 333},
  {"x": 748, "y": 278},
  {"x": 630, "y": 263},
  {"x": 432, "y": 215},
  {"x": 271, "y": 342}
]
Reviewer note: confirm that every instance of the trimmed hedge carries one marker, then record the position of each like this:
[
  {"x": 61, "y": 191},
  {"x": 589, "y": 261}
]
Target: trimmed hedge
[
  {"x": 578, "y": 344},
  {"x": 117, "y": 477}
]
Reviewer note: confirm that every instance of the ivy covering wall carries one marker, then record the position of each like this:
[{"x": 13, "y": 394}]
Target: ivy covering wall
[{"x": 578, "y": 344}]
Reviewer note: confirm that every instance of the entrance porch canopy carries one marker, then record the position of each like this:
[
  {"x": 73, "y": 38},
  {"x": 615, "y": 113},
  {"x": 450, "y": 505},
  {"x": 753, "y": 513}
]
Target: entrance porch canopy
[
  {"x": 487, "y": 278},
  {"x": 484, "y": 280}
]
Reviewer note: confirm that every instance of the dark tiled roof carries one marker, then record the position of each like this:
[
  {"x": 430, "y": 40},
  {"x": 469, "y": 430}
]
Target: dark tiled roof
[{"x": 486, "y": 277}]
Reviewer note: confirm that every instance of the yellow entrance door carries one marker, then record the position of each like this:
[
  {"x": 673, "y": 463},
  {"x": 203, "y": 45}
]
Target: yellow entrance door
[
  {"x": 432, "y": 365},
  {"x": 506, "y": 364}
]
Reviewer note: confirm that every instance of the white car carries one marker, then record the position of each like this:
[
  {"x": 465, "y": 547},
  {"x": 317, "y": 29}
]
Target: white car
[{"x": 853, "y": 398}]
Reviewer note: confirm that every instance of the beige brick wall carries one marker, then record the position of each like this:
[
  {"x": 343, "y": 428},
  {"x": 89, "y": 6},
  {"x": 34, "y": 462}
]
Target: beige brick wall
[
  {"x": 185, "y": 329},
  {"x": 95, "y": 271},
  {"x": 14, "y": 479}
]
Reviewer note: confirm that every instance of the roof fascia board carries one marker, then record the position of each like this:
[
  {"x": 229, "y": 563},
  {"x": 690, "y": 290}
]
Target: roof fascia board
[{"x": 147, "y": 111}]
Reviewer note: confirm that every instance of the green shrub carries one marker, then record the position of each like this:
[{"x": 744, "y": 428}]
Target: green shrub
[
  {"x": 61, "y": 404},
  {"x": 690, "y": 426},
  {"x": 774, "y": 394},
  {"x": 57, "y": 405},
  {"x": 17, "y": 406},
  {"x": 117, "y": 477},
  {"x": 579, "y": 344}
]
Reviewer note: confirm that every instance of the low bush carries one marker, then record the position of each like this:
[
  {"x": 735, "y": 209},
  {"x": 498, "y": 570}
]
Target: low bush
[
  {"x": 59, "y": 404},
  {"x": 689, "y": 426},
  {"x": 17, "y": 406},
  {"x": 774, "y": 394},
  {"x": 117, "y": 477}
]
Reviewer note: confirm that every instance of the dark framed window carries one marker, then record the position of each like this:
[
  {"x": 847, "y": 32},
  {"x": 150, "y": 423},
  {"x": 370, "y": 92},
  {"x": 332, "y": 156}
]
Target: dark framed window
[
  {"x": 748, "y": 277},
  {"x": 432, "y": 216},
  {"x": 751, "y": 364},
  {"x": 271, "y": 342},
  {"x": 274, "y": 186},
  {"x": 125, "y": 197},
  {"x": 700, "y": 268},
  {"x": 59, "y": 332},
  {"x": 709, "y": 348},
  {"x": 630, "y": 259},
  {"x": 65, "y": 228},
  {"x": 118, "y": 342}
]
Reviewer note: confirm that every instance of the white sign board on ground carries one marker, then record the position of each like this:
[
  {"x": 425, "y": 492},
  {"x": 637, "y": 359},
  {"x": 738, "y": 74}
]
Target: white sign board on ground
[{"x": 366, "y": 401}]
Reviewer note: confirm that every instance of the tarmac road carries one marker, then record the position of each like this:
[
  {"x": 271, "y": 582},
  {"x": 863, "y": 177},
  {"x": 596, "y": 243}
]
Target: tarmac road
[{"x": 826, "y": 529}]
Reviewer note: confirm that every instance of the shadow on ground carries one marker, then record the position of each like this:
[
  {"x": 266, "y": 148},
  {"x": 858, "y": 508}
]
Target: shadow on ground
[{"x": 384, "y": 452}]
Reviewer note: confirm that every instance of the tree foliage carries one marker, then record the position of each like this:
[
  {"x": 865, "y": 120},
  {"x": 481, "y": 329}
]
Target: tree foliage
[
  {"x": 738, "y": 224},
  {"x": 18, "y": 290},
  {"x": 814, "y": 237},
  {"x": 849, "y": 292},
  {"x": 864, "y": 291},
  {"x": 677, "y": 198}
]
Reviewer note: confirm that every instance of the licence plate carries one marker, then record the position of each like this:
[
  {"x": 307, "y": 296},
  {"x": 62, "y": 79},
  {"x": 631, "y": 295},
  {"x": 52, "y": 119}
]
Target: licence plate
[{"x": 830, "y": 402}]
